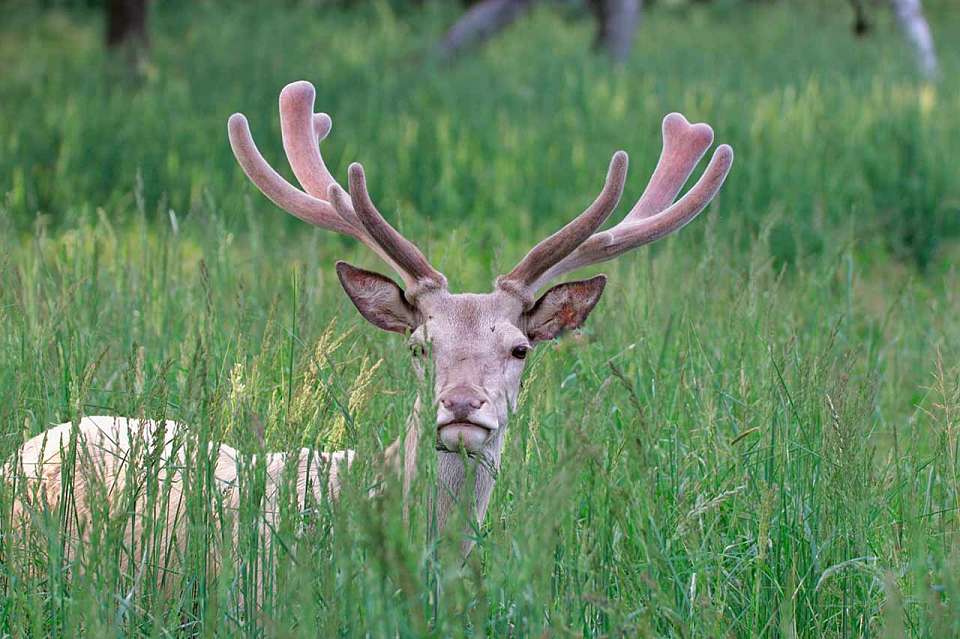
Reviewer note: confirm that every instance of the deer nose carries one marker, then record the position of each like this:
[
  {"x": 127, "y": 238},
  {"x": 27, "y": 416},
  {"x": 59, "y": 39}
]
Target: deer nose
[{"x": 461, "y": 402}]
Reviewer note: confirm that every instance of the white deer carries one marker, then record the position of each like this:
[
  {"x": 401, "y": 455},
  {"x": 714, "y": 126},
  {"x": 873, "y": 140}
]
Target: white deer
[{"x": 477, "y": 342}]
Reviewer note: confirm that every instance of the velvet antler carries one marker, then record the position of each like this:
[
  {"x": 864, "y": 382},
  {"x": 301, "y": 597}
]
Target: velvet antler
[
  {"x": 653, "y": 216},
  {"x": 323, "y": 202}
]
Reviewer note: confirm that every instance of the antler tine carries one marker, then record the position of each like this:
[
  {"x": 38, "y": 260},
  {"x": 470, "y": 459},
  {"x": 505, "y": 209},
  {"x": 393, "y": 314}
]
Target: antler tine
[
  {"x": 559, "y": 245},
  {"x": 301, "y": 130},
  {"x": 635, "y": 230},
  {"x": 398, "y": 248},
  {"x": 683, "y": 146}
]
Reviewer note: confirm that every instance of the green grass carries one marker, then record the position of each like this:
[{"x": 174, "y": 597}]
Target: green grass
[{"x": 755, "y": 435}]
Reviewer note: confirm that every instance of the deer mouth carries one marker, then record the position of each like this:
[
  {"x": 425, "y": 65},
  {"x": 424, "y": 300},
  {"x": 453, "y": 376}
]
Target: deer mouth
[{"x": 467, "y": 435}]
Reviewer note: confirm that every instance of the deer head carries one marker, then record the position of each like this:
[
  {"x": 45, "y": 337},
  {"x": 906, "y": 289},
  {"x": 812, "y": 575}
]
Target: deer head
[{"x": 478, "y": 342}]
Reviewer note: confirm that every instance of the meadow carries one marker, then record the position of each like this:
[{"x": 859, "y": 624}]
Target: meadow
[{"x": 757, "y": 433}]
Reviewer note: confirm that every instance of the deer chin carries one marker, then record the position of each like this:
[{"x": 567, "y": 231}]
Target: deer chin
[{"x": 467, "y": 435}]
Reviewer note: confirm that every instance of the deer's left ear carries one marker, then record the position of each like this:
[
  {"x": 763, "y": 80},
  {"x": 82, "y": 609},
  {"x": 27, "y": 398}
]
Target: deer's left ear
[
  {"x": 564, "y": 307},
  {"x": 378, "y": 299}
]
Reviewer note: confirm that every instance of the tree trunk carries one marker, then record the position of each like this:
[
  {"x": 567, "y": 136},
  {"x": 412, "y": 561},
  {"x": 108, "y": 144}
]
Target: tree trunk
[
  {"x": 480, "y": 23},
  {"x": 914, "y": 25},
  {"x": 861, "y": 26},
  {"x": 127, "y": 29},
  {"x": 616, "y": 24}
]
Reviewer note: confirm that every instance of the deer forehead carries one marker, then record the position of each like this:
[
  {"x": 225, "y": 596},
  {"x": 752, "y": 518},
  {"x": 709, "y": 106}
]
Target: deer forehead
[{"x": 470, "y": 322}]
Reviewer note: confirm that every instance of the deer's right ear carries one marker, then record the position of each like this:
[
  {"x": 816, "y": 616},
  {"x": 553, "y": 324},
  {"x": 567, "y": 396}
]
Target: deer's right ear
[
  {"x": 378, "y": 299},
  {"x": 564, "y": 307}
]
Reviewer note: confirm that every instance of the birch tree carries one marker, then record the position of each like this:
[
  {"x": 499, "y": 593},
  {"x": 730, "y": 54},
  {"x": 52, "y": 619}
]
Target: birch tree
[{"x": 910, "y": 17}]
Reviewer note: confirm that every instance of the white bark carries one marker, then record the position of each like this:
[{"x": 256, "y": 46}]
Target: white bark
[
  {"x": 911, "y": 19},
  {"x": 483, "y": 21},
  {"x": 617, "y": 22}
]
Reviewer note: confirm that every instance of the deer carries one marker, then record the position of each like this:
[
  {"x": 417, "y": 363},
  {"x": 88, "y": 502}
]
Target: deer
[{"x": 476, "y": 344}]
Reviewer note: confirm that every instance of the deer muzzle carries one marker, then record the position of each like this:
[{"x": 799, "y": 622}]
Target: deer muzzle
[{"x": 464, "y": 420}]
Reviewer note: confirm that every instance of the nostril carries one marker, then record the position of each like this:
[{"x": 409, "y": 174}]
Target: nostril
[{"x": 462, "y": 403}]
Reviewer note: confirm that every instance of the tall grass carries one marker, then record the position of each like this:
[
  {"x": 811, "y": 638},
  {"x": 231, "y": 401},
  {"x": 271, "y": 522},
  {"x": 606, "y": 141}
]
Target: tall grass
[{"x": 756, "y": 433}]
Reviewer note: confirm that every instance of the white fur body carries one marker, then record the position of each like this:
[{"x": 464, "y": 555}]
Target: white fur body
[{"x": 115, "y": 455}]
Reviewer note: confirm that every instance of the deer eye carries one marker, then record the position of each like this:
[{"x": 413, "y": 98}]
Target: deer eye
[
  {"x": 520, "y": 352},
  {"x": 418, "y": 350}
]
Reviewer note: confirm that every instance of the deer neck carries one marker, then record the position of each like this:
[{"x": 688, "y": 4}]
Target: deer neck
[{"x": 452, "y": 474}]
